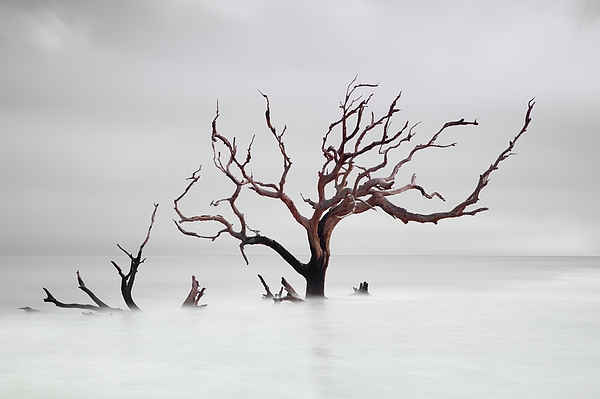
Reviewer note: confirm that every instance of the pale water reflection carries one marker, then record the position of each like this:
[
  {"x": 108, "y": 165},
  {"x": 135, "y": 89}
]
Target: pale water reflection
[{"x": 432, "y": 328}]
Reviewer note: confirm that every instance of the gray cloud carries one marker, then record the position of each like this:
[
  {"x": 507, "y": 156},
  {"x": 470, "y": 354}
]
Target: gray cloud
[
  {"x": 105, "y": 107},
  {"x": 589, "y": 12}
]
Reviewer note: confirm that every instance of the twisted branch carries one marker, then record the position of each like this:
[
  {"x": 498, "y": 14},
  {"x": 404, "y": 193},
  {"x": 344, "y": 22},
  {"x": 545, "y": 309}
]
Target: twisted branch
[{"x": 349, "y": 182}]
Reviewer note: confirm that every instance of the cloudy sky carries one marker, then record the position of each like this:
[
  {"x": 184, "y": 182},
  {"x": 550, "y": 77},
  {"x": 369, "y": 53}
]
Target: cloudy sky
[{"x": 105, "y": 108}]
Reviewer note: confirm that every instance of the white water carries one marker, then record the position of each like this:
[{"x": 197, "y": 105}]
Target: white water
[{"x": 432, "y": 328}]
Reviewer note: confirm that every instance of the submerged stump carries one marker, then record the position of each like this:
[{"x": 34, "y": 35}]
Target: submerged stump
[
  {"x": 194, "y": 296},
  {"x": 363, "y": 289}
]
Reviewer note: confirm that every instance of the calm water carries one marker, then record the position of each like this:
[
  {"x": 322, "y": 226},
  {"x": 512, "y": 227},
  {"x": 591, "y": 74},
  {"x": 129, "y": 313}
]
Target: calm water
[{"x": 433, "y": 328}]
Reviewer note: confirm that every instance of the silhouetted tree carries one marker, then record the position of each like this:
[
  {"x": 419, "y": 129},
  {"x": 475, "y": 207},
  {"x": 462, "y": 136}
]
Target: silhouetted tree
[{"x": 346, "y": 184}]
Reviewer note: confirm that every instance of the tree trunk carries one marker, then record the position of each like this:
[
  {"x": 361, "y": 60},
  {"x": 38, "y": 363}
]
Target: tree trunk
[
  {"x": 126, "y": 292},
  {"x": 315, "y": 278}
]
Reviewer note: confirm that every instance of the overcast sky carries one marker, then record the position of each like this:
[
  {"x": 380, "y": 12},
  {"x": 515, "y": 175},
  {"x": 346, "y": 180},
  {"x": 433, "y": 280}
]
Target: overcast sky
[{"x": 105, "y": 108}]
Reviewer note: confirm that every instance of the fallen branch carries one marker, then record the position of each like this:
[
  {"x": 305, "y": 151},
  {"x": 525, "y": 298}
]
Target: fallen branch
[
  {"x": 291, "y": 296},
  {"x": 100, "y": 306},
  {"x": 269, "y": 294},
  {"x": 50, "y": 298},
  {"x": 90, "y": 293}
]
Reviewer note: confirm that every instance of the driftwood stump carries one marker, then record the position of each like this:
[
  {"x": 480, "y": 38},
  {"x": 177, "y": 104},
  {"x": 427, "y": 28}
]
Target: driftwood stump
[{"x": 194, "y": 296}]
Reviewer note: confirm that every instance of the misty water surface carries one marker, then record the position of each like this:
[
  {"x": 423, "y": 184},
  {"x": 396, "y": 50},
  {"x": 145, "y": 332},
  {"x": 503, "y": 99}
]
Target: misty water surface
[{"x": 434, "y": 327}]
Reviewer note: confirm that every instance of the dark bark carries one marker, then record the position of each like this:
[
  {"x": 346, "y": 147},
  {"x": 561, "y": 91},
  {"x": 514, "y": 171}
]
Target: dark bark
[
  {"x": 315, "y": 278},
  {"x": 363, "y": 289},
  {"x": 100, "y": 306},
  {"x": 93, "y": 296},
  {"x": 127, "y": 281},
  {"x": 268, "y": 294},
  {"x": 50, "y": 299}
]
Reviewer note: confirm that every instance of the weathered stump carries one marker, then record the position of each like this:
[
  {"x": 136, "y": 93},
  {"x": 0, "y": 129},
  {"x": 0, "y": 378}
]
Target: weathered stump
[{"x": 194, "y": 296}]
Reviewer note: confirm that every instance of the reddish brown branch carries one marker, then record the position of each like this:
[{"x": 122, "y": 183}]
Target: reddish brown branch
[
  {"x": 358, "y": 174},
  {"x": 194, "y": 296},
  {"x": 236, "y": 171},
  {"x": 459, "y": 210}
]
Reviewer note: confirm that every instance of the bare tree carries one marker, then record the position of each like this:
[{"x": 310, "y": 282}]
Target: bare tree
[
  {"x": 127, "y": 280},
  {"x": 346, "y": 183}
]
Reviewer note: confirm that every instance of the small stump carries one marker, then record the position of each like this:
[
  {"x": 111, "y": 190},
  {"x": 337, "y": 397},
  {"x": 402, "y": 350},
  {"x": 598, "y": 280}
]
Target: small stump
[{"x": 363, "y": 289}]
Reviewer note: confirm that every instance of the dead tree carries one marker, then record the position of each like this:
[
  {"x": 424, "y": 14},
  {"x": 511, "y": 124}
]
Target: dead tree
[
  {"x": 127, "y": 280},
  {"x": 347, "y": 184},
  {"x": 363, "y": 289},
  {"x": 194, "y": 296}
]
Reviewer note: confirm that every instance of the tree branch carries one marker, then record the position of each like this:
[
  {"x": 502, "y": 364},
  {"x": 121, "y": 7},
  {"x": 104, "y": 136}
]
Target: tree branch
[
  {"x": 101, "y": 306},
  {"x": 93, "y": 296},
  {"x": 236, "y": 171},
  {"x": 269, "y": 294},
  {"x": 379, "y": 200},
  {"x": 50, "y": 299}
]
